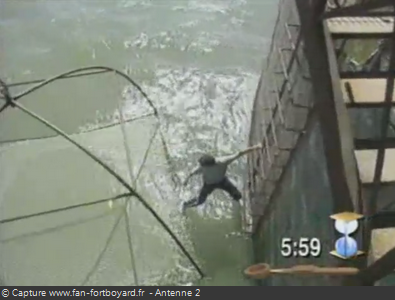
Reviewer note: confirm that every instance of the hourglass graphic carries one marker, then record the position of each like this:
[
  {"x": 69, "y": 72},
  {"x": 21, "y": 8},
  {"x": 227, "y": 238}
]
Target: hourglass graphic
[{"x": 346, "y": 223}]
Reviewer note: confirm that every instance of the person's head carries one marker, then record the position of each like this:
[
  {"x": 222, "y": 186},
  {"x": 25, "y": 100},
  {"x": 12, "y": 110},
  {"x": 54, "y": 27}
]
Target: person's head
[{"x": 206, "y": 160}]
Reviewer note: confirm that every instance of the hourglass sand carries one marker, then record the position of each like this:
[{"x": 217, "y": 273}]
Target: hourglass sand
[
  {"x": 262, "y": 271},
  {"x": 346, "y": 224}
]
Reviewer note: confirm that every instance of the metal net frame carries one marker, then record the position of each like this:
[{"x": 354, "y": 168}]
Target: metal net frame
[{"x": 11, "y": 101}]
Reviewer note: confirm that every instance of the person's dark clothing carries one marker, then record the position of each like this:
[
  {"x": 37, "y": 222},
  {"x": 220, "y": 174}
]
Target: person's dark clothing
[{"x": 225, "y": 184}]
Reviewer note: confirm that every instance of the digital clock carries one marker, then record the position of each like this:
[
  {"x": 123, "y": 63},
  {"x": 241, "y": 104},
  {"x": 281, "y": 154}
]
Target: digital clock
[{"x": 303, "y": 247}]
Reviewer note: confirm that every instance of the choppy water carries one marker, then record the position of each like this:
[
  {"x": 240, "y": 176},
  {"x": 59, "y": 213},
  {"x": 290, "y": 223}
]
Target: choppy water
[{"x": 199, "y": 61}]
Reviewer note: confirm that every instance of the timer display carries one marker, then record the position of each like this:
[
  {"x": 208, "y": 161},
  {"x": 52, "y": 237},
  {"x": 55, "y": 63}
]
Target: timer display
[{"x": 303, "y": 247}]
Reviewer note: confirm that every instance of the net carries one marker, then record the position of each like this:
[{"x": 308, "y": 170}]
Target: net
[{"x": 66, "y": 216}]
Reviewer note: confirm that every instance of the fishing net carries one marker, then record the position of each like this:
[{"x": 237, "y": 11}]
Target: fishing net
[{"x": 88, "y": 204}]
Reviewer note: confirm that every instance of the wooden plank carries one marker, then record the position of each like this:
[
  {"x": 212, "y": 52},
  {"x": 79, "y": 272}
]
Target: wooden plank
[
  {"x": 366, "y": 160},
  {"x": 361, "y": 25},
  {"x": 364, "y": 91}
]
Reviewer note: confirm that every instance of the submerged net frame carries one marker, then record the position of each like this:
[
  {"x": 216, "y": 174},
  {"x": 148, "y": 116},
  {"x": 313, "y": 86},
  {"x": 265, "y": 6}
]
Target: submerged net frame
[{"x": 12, "y": 101}]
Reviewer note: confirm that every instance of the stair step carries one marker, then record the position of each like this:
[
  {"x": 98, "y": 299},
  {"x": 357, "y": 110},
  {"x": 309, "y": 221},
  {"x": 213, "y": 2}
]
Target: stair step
[
  {"x": 370, "y": 144},
  {"x": 364, "y": 92},
  {"x": 360, "y": 25},
  {"x": 366, "y": 161},
  {"x": 384, "y": 219}
]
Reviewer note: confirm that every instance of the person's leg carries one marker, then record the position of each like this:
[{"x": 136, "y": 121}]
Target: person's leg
[
  {"x": 231, "y": 189},
  {"x": 205, "y": 191}
]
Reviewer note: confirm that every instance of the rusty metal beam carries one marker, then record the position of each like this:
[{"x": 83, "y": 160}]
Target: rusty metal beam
[
  {"x": 389, "y": 93},
  {"x": 365, "y": 74},
  {"x": 360, "y": 36},
  {"x": 321, "y": 64},
  {"x": 363, "y": 13},
  {"x": 367, "y": 105},
  {"x": 360, "y": 10},
  {"x": 384, "y": 219},
  {"x": 381, "y": 268},
  {"x": 383, "y": 184},
  {"x": 370, "y": 144},
  {"x": 316, "y": 52}
]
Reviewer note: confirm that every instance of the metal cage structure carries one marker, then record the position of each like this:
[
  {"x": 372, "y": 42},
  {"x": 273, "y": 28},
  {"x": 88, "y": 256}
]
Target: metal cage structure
[
  {"x": 10, "y": 100},
  {"x": 324, "y": 114}
]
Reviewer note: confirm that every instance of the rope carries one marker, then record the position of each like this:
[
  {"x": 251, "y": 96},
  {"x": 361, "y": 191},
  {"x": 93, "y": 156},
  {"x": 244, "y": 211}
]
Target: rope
[
  {"x": 112, "y": 172},
  {"x": 174, "y": 177},
  {"x": 66, "y": 77},
  {"x": 176, "y": 180},
  {"x": 5, "y": 94},
  {"x": 82, "y": 132},
  {"x": 65, "y": 74},
  {"x": 130, "y": 243},
  {"x": 147, "y": 151},
  {"x": 119, "y": 218},
  {"x": 125, "y": 210},
  {"x": 127, "y": 217},
  {"x": 121, "y": 196},
  {"x": 103, "y": 251},
  {"x": 118, "y": 177},
  {"x": 55, "y": 228}
]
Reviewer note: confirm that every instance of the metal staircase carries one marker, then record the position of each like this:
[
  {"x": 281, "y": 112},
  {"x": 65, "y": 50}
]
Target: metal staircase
[{"x": 367, "y": 94}]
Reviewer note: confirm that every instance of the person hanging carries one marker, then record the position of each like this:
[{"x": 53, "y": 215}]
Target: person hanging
[{"x": 213, "y": 171}]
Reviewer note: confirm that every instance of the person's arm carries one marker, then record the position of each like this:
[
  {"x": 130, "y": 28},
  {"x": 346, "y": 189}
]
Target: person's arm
[
  {"x": 250, "y": 149},
  {"x": 231, "y": 158},
  {"x": 194, "y": 172}
]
